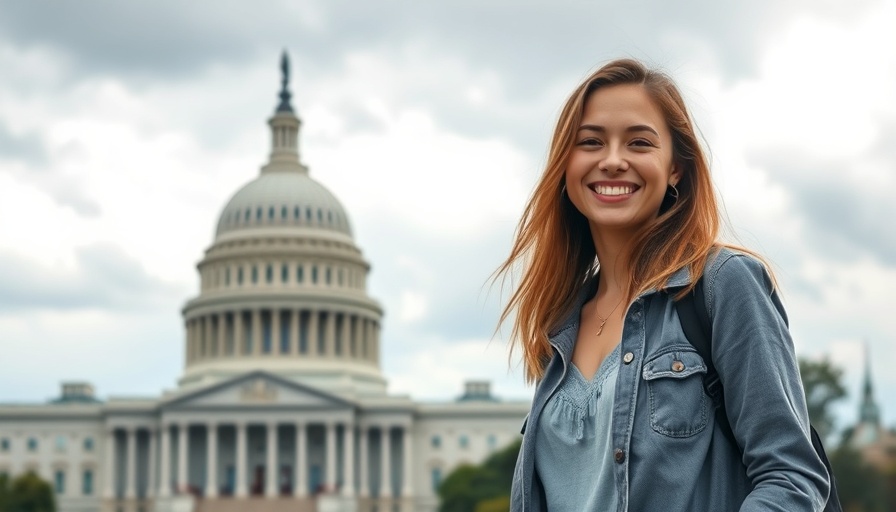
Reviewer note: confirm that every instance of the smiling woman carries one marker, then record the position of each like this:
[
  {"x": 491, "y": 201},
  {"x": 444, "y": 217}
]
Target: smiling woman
[{"x": 622, "y": 225}]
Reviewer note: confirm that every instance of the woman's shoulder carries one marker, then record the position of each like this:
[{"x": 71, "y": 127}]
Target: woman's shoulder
[{"x": 733, "y": 270}]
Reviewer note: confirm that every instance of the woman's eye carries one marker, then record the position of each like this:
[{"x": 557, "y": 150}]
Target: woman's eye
[
  {"x": 589, "y": 142},
  {"x": 641, "y": 142}
]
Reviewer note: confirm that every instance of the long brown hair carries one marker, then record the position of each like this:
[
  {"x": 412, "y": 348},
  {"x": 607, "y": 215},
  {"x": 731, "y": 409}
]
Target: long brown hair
[{"x": 553, "y": 244}]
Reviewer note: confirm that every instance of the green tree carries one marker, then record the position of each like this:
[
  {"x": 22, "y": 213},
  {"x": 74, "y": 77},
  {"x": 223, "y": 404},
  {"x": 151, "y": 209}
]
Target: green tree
[
  {"x": 862, "y": 488},
  {"x": 479, "y": 488},
  {"x": 4, "y": 492},
  {"x": 823, "y": 384},
  {"x": 30, "y": 493}
]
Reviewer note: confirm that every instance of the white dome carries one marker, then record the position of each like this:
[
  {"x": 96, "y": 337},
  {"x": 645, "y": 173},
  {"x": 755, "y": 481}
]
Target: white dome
[{"x": 283, "y": 199}]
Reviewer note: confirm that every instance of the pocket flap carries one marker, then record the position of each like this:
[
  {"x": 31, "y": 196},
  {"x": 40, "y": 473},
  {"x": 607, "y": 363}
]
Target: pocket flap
[{"x": 676, "y": 364}]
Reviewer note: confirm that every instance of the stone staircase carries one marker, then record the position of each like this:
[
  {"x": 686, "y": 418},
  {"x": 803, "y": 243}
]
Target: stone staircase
[{"x": 255, "y": 504}]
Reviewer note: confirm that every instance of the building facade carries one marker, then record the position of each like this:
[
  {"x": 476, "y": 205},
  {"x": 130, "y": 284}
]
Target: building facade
[{"x": 282, "y": 404}]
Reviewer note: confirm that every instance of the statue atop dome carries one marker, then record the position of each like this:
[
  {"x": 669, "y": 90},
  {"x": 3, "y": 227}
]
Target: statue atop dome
[{"x": 285, "y": 105}]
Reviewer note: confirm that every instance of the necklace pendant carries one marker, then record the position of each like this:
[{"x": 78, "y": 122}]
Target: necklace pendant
[{"x": 600, "y": 329}]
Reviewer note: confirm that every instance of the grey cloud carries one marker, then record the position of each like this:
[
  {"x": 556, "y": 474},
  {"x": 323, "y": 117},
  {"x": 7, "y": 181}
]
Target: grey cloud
[
  {"x": 28, "y": 147},
  {"x": 104, "y": 278},
  {"x": 844, "y": 223}
]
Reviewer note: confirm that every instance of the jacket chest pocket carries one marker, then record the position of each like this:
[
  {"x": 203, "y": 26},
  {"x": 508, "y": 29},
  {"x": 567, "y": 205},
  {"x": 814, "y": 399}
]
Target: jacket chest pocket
[{"x": 678, "y": 405}]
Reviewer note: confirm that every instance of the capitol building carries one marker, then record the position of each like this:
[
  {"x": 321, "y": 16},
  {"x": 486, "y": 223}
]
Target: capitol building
[{"x": 282, "y": 404}]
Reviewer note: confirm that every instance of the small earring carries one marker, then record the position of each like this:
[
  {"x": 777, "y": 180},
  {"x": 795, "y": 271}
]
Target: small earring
[
  {"x": 673, "y": 193},
  {"x": 563, "y": 190}
]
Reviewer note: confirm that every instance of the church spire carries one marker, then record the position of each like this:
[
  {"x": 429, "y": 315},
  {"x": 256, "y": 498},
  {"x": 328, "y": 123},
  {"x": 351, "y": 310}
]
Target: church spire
[
  {"x": 868, "y": 410},
  {"x": 284, "y": 129}
]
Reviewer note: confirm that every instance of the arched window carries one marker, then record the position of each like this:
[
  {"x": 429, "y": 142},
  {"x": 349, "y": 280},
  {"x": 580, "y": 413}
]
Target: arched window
[
  {"x": 271, "y": 213},
  {"x": 248, "y": 214},
  {"x": 258, "y": 214},
  {"x": 239, "y": 275},
  {"x": 296, "y": 213},
  {"x": 320, "y": 216},
  {"x": 284, "y": 212},
  {"x": 269, "y": 274},
  {"x": 284, "y": 273},
  {"x": 329, "y": 275},
  {"x": 254, "y": 274},
  {"x": 300, "y": 273},
  {"x": 314, "y": 274}
]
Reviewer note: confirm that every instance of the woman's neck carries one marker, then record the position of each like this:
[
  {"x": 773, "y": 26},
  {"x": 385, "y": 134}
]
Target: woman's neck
[{"x": 611, "y": 253}]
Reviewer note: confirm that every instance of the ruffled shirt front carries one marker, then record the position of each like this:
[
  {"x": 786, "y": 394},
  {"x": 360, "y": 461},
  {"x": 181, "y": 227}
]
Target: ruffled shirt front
[{"x": 573, "y": 452}]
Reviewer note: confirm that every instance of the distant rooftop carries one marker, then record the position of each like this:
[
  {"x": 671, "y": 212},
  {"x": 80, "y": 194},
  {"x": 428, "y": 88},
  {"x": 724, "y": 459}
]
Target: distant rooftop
[
  {"x": 478, "y": 391},
  {"x": 76, "y": 392}
]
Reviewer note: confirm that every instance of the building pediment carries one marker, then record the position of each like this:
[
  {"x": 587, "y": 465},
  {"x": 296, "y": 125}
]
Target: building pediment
[{"x": 257, "y": 390}]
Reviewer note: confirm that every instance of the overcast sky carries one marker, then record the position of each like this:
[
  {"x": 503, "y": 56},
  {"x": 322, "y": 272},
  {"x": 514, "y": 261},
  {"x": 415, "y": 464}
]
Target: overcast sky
[{"x": 125, "y": 127}]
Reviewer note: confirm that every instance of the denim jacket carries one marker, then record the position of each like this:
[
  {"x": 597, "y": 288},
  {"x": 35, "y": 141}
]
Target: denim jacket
[{"x": 669, "y": 453}]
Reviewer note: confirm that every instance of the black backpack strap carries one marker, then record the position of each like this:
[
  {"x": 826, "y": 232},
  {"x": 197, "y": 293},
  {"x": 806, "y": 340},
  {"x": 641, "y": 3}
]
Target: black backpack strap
[{"x": 695, "y": 323}]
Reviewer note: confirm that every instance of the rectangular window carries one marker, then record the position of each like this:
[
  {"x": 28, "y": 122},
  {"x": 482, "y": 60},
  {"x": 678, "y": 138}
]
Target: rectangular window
[
  {"x": 32, "y": 444},
  {"x": 4, "y": 445},
  {"x": 59, "y": 481},
  {"x": 87, "y": 482},
  {"x": 436, "y": 442},
  {"x": 254, "y": 274},
  {"x": 300, "y": 274},
  {"x": 269, "y": 274},
  {"x": 436, "y": 479},
  {"x": 60, "y": 443},
  {"x": 284, "y": 274},
  {"x": 88, "y": 444},
  {"x": 492, "y": 442},
  {"x": 464, "y": 442}
]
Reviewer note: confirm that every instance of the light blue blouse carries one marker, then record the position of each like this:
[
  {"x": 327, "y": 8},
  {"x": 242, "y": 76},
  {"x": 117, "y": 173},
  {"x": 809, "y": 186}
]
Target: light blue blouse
[{"x": 573, "y": 447}]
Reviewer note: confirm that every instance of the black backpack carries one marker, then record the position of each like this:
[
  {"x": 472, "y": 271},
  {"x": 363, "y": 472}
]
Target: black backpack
[{"x": 698, "y": 329}]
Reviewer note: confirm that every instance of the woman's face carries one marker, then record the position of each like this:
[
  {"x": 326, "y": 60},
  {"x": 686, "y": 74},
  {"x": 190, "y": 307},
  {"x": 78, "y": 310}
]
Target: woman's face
[{"x": 621, "y": 161}]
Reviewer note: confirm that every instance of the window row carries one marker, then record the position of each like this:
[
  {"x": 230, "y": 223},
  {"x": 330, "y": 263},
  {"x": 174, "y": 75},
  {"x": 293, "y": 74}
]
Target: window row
[
  {"x": 281, "y": 273},
  {"x": 283, "y": 214},
  {"x": 32, "y": 444},
  {"x": 463, "y": 442}
]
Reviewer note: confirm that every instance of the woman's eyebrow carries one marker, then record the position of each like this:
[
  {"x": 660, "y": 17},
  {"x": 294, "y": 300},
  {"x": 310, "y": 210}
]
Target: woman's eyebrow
[{"x": 634, "y": 128}]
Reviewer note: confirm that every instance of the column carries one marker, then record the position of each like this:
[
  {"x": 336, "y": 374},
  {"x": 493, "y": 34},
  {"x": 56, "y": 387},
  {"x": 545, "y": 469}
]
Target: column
[
  {"x": 109, "y": 477},
  {"x": 331, "y": 457},
  {"x": 165, "y": 462},
  {"x": 348, "y": 462},
  {"x": 301, "y": 462},
  {"x": 188, "y": 346},
  {"x": 386, "y": 464},
  {"x": 294, "y": 332},
  {"x": 353, "y": 337},
  {"x": 375, "y": 341},
  {"x": 345, "y": 336},
  {"x": 365, "y": 482},
  {"x": 240, "y": 460},
  {"x": 211, "y": 464},
  {"x": 313, "y": 319},
  {"x": 275, "y": 331},
  {"x": 182, "y": 480},
  {"x": 202, "y": 346},
  {"x": 330, "y": 335},
  {"x": 239, "y": 337},
  {"x": 270, "y": 472},
  {"x": 362, "y": 338},
  {"x": 256, "y": 331},
  {"x": 407, "y": 490},
  {"x": 151, "y": 466},
  {"x": 130, "y": 489},
  {"x": 222, "y": 329}
]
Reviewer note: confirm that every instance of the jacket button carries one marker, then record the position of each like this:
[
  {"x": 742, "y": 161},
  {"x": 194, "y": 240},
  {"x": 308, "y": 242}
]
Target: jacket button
[
  {"x": 619, "y": 455},
  {"x": 628, "y": 357},
  {"x": 677, "y": 366}
]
